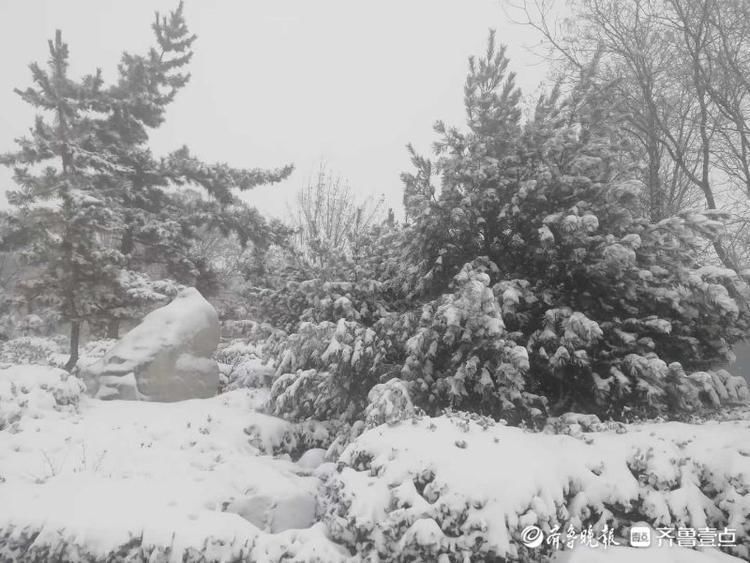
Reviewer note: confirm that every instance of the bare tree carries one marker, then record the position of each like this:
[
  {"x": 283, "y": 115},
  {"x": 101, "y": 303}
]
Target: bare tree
[
  {"x": 329, "y": 218},
  {"x": 680, "y": 68}
]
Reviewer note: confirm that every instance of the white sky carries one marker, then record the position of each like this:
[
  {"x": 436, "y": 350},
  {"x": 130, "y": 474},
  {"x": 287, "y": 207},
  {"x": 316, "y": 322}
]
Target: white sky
[{"x": 281, "y": 81}]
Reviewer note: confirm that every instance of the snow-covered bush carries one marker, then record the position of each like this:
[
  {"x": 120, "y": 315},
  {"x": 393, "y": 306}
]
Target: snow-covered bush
[
  {"x": 326, "y": 371},
  {"x": 463, "y": 357},
  {"x": 32, "y": 325},
  {"x": 462, "y": 487},
  {"x": 30, "y": 390},
  {"x": 30, "y": 350},
  {"x": 240, "y": 365},
  {"x": 317, "y": 300},
  {"x": 251, "y": 372},
  {"x": 231, "y": 328},
  {"x": 310, "y": 545},
  {"x": 237, "y": 349},
  {"x": 15, "y": 322},
  {"x": 294, "y": 439},
  {"x": 94, "y": 350},
  {"x": 688, "y": 393},
  {"x": 388, "y": 403}
]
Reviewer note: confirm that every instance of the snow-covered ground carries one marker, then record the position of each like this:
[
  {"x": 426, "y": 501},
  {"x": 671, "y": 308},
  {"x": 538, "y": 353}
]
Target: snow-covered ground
[
  {"x": 83, "y": 479},
  {"x": 123, "y": 476}
]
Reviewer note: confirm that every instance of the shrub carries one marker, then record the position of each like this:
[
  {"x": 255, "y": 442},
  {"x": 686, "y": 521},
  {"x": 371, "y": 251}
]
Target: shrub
[
  {"x": 461, "y": 487},
  {"x": 326, "y": 371},
  {"x": 30, "y": 350}
]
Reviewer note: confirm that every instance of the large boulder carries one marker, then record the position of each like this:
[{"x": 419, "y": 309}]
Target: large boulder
[{"x": 165, "y": 358}]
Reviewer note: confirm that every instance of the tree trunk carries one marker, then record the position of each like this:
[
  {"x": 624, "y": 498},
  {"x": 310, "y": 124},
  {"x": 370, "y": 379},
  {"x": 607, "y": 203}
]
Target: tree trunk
[
  {"x": 656, "y": 193},
  {"x": 75, "y": 337},
  {"x": 113, "y": 328}
]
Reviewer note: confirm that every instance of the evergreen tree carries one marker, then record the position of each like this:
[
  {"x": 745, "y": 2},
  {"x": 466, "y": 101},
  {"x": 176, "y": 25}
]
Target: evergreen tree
[
  {"x": 93, "y": 203},
  {"x": 602, "y": 300},
  {"x": 64, "y": 161},
  {"x": 529, "y": 281}
]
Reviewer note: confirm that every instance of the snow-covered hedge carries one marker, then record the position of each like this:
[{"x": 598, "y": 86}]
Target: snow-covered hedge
[
  {"x": 31, "y": 390},
  {"x": 50, "y": 351},
  {"x": 460, "y": 351},
  {"x": 229, "y": 540},
  {"x": 463, "y": 486},
  {"x": 29, "y": 350}
]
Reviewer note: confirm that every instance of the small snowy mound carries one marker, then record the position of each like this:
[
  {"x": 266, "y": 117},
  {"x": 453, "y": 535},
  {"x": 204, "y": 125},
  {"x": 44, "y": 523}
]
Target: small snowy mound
[
  {"x": 463, "y": 486},
  {"x": 165, "y": 358},
  {"x": 34, "y": 391}
]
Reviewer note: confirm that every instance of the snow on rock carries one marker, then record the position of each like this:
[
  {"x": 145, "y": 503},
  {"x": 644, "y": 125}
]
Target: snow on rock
[
  {"x": 142, "y": 480},
  {"x": 462, "y": 485},
  {"x": 165, "y": 358}
]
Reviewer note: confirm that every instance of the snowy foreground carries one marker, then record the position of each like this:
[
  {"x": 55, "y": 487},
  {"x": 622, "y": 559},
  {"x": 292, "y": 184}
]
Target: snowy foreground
[{"x": 213, "y": 480}]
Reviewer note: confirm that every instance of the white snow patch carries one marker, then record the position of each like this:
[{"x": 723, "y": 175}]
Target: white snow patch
[{"x": 167, "y": 474}]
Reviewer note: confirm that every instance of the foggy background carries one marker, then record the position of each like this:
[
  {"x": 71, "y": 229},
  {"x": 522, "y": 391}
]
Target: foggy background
[{"x": 350, "y": 83}]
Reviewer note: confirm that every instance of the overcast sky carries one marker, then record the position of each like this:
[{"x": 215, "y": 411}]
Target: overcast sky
[{"x": 282, "y": 81}]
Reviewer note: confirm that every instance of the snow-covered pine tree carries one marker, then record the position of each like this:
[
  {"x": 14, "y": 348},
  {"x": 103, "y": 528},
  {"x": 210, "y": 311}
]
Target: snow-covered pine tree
[
  {"x": 64, "y": 205},
  {"x": 603, "y": 301},
  {"x": 163, "y": 226},
  {"x": 364, "y": 278},
  {"x": 93, "y": 204},
  {"x": 338, "y": 338},
  {"x": 530, "y": 282}
]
